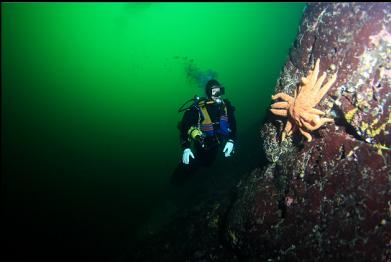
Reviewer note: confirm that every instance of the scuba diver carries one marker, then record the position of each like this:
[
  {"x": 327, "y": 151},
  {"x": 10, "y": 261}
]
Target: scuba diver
[{"x": 207, "y": 125}]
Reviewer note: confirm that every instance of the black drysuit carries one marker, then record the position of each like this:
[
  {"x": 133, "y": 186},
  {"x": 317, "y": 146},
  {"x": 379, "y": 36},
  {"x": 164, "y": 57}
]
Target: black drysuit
[{"x": 203, "y": 155}]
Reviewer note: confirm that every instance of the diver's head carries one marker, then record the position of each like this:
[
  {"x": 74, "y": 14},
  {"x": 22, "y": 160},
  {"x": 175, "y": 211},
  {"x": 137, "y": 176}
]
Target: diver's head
[{"x": 214, "y": 90}]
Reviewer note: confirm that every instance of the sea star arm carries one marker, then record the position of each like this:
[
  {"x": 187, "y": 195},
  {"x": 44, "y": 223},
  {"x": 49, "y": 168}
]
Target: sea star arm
[
  {"x": 314, "y": 75},
  {"x": 325, "y": 88},
  {"x": 319, "y": 83},
  {"x": 306, "y": 134},
  {"x": 318, "y": 124},
  {"x": 307, "y": 117},
  {"x": 316, "y": 112},
  {"x": 279, "y": 112},
  {"x": 287, "y": 130},
  {"x": 284, "y": 97},
  {"x": 280, "y": 105}
]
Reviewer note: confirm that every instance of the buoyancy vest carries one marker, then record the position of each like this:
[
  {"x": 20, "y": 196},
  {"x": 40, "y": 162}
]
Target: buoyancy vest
[{"x": 207, "y": 126}]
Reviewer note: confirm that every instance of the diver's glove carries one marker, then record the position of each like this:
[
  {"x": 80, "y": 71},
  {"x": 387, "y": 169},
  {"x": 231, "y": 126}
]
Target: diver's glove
[
  {"x": 228, "y": 148},
  {"x": 186, "y": 156}
]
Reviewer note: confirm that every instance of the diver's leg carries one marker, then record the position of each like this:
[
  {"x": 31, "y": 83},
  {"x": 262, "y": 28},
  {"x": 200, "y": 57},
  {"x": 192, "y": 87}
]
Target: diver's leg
[
  {"x": 209, "y": 155},
  {"x": 183, "y": 172}
]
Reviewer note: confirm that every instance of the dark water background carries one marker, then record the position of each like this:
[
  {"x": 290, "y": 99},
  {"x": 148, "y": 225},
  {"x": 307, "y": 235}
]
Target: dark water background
[{"x": 90, "y": 94}]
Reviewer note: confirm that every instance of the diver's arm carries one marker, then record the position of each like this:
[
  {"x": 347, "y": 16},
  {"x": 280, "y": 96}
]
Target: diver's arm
[
  {"x": 190, "y": 118},
  {"x": 231, "y": 119},
  {"x": 229, "y": 145}
]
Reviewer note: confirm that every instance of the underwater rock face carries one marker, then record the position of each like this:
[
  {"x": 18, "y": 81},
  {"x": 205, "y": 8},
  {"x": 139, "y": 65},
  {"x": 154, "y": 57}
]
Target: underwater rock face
[
  {"x": 324, "y": 200},
  {"x": 194, "y": 235},
  {"x": 328, "y": 199}
]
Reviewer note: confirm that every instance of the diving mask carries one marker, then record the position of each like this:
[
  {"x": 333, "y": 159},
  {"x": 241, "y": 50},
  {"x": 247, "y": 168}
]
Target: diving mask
[{"x": 217, "y": 91}]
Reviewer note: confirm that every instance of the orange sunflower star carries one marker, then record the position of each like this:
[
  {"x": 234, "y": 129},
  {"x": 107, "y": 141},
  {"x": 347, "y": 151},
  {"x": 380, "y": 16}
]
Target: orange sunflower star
[{"x": 300, "y": 109}]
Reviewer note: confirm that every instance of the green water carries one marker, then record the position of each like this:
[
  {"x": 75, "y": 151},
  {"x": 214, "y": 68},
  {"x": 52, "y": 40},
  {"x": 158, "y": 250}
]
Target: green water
[{"x": 90, "y": 94}]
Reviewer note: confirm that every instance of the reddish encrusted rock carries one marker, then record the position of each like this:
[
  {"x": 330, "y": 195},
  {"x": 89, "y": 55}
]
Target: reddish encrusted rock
[
  {"x": 324, "y": 200},
  {"x": 328, "y": 199}
]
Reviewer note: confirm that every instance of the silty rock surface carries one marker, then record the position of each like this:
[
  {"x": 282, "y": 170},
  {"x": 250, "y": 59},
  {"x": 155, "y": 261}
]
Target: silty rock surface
[{"x": 328, "y": 199}]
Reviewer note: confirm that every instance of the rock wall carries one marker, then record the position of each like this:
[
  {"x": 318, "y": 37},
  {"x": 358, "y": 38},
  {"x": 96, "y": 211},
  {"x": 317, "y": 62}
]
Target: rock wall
[
  {"x": 324, "y": 200},
  {"x": 328, "y": 199}
]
